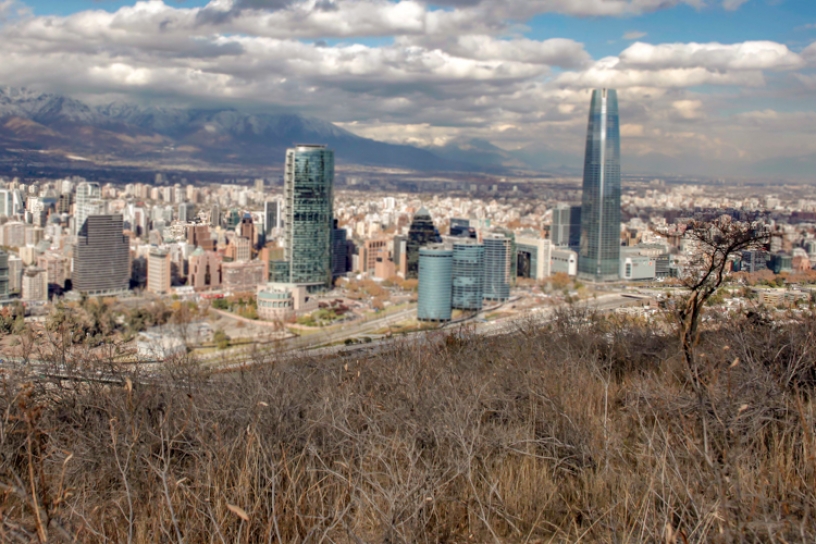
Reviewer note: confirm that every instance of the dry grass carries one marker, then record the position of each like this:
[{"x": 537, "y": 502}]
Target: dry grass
[{"x": 587, "y": 431}]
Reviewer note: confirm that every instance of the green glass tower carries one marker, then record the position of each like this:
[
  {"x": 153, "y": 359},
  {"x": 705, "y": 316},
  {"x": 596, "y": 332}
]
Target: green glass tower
[
  {"x": 308, "y": 214},
  {"x": 599, "y": 253}
]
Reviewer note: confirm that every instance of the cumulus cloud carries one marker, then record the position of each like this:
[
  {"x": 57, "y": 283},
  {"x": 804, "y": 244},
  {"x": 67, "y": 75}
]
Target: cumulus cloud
[
  {"x": 444, "y": 74},
  {"x": 553, "y": 52},
  {"x": 613, "y": 72},
  {"x": 760, "y": 55},
  {"x": 809, "y": 54}
]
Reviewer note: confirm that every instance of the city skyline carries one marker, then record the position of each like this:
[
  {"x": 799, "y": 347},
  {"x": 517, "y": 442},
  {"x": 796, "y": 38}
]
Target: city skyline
[{"x": 718, "y": 88}]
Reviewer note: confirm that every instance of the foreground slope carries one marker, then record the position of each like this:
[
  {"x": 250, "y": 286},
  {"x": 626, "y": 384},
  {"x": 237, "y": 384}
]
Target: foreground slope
[{"x": 585, "y": 430}]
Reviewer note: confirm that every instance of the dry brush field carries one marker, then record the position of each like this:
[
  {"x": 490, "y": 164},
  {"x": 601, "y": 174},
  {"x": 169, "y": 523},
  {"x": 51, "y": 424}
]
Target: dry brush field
[{"x": 586, "y": 430}]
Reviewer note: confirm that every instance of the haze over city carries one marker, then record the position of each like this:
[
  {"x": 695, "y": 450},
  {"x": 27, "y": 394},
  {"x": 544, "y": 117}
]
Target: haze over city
[{"x": 717, "y": 88}]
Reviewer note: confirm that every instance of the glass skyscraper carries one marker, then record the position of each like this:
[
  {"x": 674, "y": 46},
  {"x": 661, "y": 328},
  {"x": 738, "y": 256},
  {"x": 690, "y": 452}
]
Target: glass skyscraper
[
  {"x": 421, "y": 233},
  {"x": 599, "y": 254},
  {"x": 308, "y": 215},
  {"x": 499, "y": 255},
  {"x": 468, "y": 274}
]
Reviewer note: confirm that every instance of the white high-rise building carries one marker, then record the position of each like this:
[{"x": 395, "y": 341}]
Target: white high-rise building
[
  {"x": 88, "y": 202},
  {"x": 158, "y": 271},
  {"x": 6, "y": 203},
  {"x": 35, "y": 284}
]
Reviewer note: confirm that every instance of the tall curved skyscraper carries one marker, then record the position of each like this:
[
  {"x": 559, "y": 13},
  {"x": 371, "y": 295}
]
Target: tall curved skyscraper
[
  {"x": 309, "y": 219},
  {"x": 599, "y": 255}
]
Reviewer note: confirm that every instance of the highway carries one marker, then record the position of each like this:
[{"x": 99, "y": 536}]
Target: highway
[
  {"x": 510, "y": 325},
  {"x": 316, "y": 346}
]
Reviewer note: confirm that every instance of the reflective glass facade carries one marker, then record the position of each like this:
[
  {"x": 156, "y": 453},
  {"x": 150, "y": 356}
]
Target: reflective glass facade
[
  {"x": 468, "y": 275},
  {"x": 499, "y": 261},
  {"x": 435, "y": 284},
  {"x": 599, "y": 254},
  {"x": 421, "y": 233},
  {"x": 308, "y": 216}
]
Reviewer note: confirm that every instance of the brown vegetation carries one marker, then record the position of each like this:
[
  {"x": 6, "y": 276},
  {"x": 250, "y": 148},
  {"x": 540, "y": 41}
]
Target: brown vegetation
[{"x": 588, "y": 429}]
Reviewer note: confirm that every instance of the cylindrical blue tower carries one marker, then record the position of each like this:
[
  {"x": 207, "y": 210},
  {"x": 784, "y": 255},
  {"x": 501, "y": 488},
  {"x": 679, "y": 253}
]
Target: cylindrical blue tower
[
  {"x": 468, "y": 275},
  {"x": 435, "y": 283}
]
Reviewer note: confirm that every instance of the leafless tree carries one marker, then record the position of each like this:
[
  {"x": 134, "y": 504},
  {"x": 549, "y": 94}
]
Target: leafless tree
[{"x": 714, "y": 246}]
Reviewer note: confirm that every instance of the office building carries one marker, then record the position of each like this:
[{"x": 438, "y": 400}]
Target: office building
[
  {"x": 13, "y": 234},
  {"x": 754, "y": 260},
  {"x": 239, "y": 249},
  {"x": 780, "y": 262},
  {"x": 243, "y": 276},
  {"x": 435, "y": 283},
  {"x": 186, "y": 212},
  {"x": 205, "y": 270},
  {"x": 199, "y": 236},
  {"x": 247, "y": 228},
  {"x": 278, "y": 271},
  {"x": 35, "y": 285},
  {"x": 498, "y": 270},
  {"x": 15, "y": 274},
  {"x": 564, "y": 261},
  {"x": 159, "y": 271},
  {"x": 421, "y": 233},
  {"x": 461, "y": 228},
  {"x": 272, "y": 217},
  {"x": 566, "y": 226},
  {"x": 339, "y": 244},
  {"x": 309, "y": 219},
  {"x": 4, "y": 275},
  {"x": 372, "y": 252},
  {"x": 88, "y": 202},
  {"x": 6, "y": 203},
  {"x": 215, "y": 216},
  {"x": 57, "y": 268},
  {"x": 599, "y": 252},
  {"x": 637, "y": 264},
  {"x": 533, "y": 257},
  {"x": 468, "y": 275},
  {"x": 101, "y": 257}
]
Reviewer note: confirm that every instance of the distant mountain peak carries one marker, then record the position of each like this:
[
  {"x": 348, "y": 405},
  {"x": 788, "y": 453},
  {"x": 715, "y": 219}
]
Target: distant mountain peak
[{"x": 214, "y": 135}]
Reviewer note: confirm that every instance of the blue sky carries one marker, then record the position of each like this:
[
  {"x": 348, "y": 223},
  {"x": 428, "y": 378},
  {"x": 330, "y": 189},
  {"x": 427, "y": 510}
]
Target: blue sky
[{"x": 706, "y": 86}]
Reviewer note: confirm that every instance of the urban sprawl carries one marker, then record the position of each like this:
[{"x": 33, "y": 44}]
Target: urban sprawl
[{"x": 270, "y": 262}]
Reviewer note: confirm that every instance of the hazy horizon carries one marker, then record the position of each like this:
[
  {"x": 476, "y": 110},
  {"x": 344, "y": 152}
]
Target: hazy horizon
[{"x": 714, "y": 88}]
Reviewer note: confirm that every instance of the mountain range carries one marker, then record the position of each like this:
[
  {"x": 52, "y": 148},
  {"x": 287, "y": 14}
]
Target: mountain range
[{"x": 62, "y": 125}]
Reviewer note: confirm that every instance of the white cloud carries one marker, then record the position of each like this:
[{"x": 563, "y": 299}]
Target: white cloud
[
  {"x": 446, "y": 74},
  {"x": 732, "y": 5},
  {"x": 763, "y": 55},
  {"x": 553, "y": 52},
  {"x": 612, "y": 72},
  {"x": 809, "y": 54},
  {"x": 688, "y": 109},
  {"x": 634, "y": 35}
]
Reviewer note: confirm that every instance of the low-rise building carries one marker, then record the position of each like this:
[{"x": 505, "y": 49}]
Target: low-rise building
[
  {"x": 281, "y": 301},
  {"x": 564, "y": 261},
  {"x": 243, "y": 276}
]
